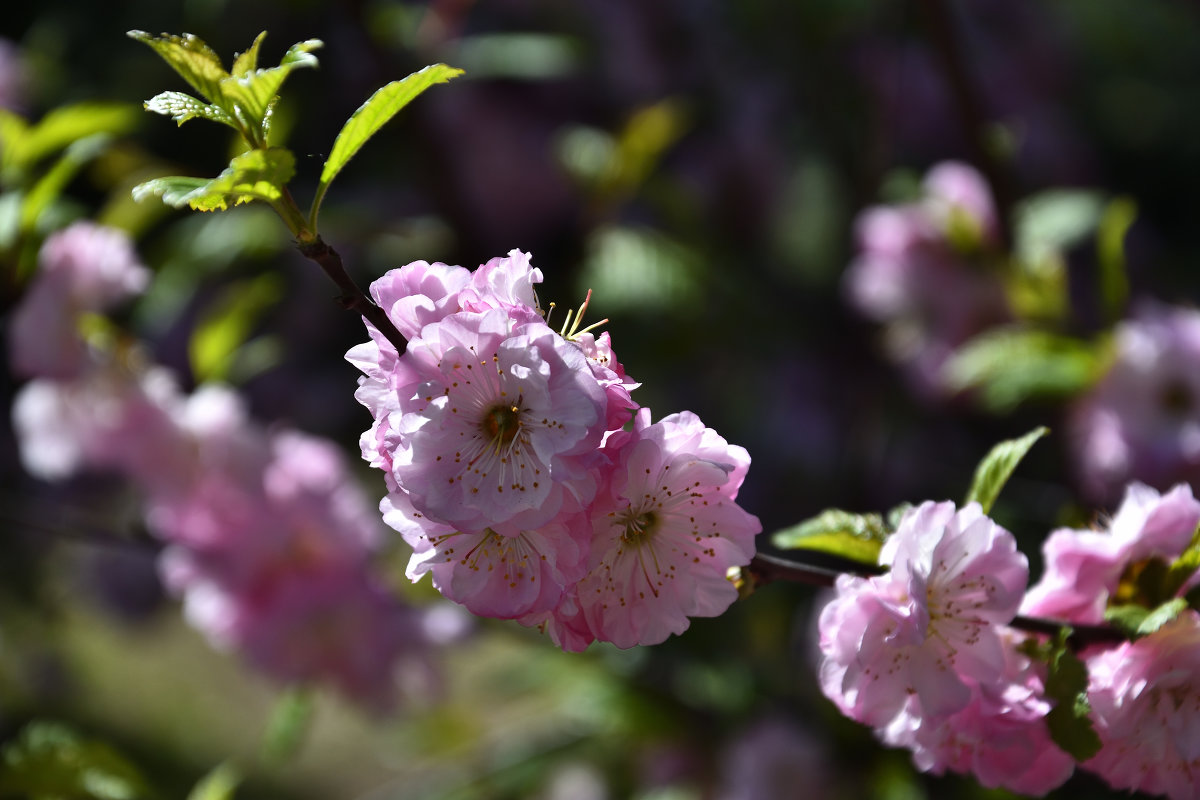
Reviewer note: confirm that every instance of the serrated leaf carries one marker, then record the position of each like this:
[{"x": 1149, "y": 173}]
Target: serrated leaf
[
  {"x": 244, "y": 63},
  {"x": 1068, "y": 722},
  {"x": 181, "y": 107},
  {"x": 1008, "y": 366},
  {"x": 194, "y": 60},
  {"x": 997, "y": 467},
  {"x": 253, "y": 175},
  {"x": 174, "y": 190},
  {"x": 49, "y": 760},
  {"x": 219, "y": 784},
  {"x": 1136, "y": 621},
  {"x": 253, "y": 92},
  {"x": 372, "y": 115},
  {"x": 857, "y": 537},
  {"x": 226, "y": 324}
]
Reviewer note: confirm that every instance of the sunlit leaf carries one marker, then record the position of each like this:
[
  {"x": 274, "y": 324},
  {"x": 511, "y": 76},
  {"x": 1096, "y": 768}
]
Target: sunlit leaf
[
  {"x": 527, "y": 56},
  {"x": 1136, "y": 621},
  {"x": 50, "y": 185},
  {"x": 194, "y": 60},
  {"x": 997, "y": 466},
  {"x": 857, "y": 537},
  {"x": 372, "y": 115},
  {"x": 25, "y": 145},
  {"x": 1008, "y": 366},
  {"x": 643, "y": 269},
  {"x": 220, "y": 784},
  {"x": 1183, "y": 568},
  {"x": 49, "y": 760},
  {"x": 253, "y": 175},
  {"x": 244, "y": 63},
  {"x": 226, "y": 324},
  {"x": 1055, "y": 220},
  {"x": 181, "y": 107},
  {"x": 253, "y": 92}
]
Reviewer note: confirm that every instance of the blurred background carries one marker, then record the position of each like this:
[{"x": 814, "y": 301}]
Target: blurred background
[{"x": 700, "y": 167}]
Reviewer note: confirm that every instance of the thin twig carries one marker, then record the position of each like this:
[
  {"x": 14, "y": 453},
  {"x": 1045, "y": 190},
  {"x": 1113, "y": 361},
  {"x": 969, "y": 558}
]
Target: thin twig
[{"x": 352, "y": 298}]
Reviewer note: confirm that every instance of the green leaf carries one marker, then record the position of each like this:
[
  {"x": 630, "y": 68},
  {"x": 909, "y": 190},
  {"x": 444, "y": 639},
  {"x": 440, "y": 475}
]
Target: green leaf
[
  {"x": 253, "y": 92},
  {"x": 372, "y": 115},
  {"x": 1008, "y": 366},
  {"x": 194, "y": 60},
  {"x": 247, "y": 62},
  {"x": 50, "y": 186},
  {"x": 181, "y": 107},
  {"x": 174, "y": 190},
  {"x": 1183, "y": 568},
  {"x": 1053, "y": 221},
  {"x": 1068, "y": 721},
  {"x": 226, "y": 325},
  {"x": 1115, "y": 222},
  {"x": 997, "y": 467},
  {"x": 253, "y": 175},
  {"x": 289, "y": 724},
  {"x": 25, "y": 145},
  {"x": 857, "y": 537},
  {"x": 219, "y": 784},
  {"x": 1136, "y": 621},
  {"x": 48, "y": 761}
]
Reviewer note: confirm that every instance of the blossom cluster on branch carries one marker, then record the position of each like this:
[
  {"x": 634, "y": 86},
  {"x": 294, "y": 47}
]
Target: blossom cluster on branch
[
  {"x": 524, "y": 476},
  {"x": 926, "y": 656}
]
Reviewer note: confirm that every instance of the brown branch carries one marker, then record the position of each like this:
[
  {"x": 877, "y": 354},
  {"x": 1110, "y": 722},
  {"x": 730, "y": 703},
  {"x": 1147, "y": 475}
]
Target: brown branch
[{"x": 352, "y": 298}]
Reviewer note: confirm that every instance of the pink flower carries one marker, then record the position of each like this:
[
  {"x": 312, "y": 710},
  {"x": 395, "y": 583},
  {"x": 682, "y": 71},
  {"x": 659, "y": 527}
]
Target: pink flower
[
  {"x": 419, "y": 294},
  {"x": 666, "y": 531},
  {"x": 316, "y": 625},
  {"x": 1000, "y": 736},
  {"x": 1142, "y": 420},
  {"x": 505, "y": 422},
  {"x": 1146, "y": 708},
  {"x": 505, "y": 284},
  {"x": 83, "y": 268},
  {"x": 1084, "y": 568},
  {"x": 913, "y": 274},
  {"x": 927, "y": 629},
  {"x": 502, "y": 575}
]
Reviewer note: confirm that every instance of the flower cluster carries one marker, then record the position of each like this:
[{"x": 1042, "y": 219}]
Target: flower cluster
[
  {"x": 918, "y": 272},
  {"x": 267, "y": 539},
  {"x": 526, "y": 479},
  {"x": 925, "y": 654}
]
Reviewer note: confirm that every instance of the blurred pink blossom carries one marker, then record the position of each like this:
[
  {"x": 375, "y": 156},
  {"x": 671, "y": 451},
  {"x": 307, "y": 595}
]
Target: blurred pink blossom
[
  {"x": 83, "y": 268},
  {"x": 919, "y": 272},
  {"x": 1146, "y": 708},
  {"x": 1142, "y": 420}
]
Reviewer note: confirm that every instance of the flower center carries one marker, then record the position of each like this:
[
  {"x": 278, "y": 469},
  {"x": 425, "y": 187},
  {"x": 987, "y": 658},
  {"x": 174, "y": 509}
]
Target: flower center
[
  {"x": 638, "y": 524},
  {"x": 501, "y": 424}
]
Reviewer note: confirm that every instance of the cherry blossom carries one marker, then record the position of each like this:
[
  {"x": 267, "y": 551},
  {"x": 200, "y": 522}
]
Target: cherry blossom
[
  {"x": 918, "y": 639},
  {"x": 666, "y": 531},
  {"x": 1084, "y": 568},
  {"x": 1146, "y": 708}
]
